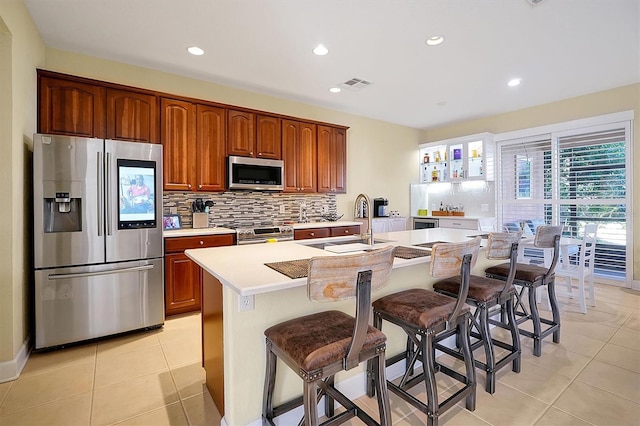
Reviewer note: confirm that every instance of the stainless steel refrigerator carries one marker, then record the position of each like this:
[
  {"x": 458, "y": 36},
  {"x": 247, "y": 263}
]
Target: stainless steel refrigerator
[{"x": 98, "y": 249}]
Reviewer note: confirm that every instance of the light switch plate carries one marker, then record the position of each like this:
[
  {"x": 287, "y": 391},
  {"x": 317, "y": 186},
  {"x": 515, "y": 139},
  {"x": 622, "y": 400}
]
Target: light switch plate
[{"x": 282, "y": 208}]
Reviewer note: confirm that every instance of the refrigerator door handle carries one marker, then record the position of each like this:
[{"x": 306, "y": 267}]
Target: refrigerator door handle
[
  {"x": 108, "y": 192},
  {"x": 100, "y": 193},
  {"x": 93, "y": 274}
]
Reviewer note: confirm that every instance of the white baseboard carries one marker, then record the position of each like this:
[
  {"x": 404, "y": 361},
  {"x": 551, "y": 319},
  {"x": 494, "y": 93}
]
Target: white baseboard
[
  {"x": 10, "y": 370},
  {"x": 635, "y": 285}
]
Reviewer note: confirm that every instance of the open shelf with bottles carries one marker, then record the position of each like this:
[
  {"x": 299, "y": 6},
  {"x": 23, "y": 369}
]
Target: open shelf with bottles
[{"x": 458, "y": 160}]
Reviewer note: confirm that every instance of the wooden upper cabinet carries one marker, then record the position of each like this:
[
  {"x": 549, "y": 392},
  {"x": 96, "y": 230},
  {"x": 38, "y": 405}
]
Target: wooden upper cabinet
[
  {"x": 268, "y": 140},
  {"x": 177, "y": 133},
  {"x": 241, "y": 133},
  {"x": 210, "y": 147},
  {"x": 71, "y": 108},
  {"x": 332, "y": 159},
  {"x": 299, "y": 152},
  {"x": 132, "y": 116}
]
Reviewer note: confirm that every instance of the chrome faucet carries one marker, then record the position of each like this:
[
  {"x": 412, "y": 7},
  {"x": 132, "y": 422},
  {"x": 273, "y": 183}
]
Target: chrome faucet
[{"x": 367, "y": 202}]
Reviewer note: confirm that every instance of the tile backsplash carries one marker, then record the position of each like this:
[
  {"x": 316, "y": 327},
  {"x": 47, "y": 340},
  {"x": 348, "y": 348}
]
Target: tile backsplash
[{"x": 234, "y": 209}]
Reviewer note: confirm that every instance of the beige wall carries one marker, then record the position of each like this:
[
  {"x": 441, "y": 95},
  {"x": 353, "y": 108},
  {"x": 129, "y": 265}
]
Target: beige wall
[
  {"x": 21, "y": 51},
  {"x": 624, "y": 98}
]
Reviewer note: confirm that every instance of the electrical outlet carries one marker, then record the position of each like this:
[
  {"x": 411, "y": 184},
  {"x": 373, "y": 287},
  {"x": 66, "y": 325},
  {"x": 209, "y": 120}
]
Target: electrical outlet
[
  {"x": 484, "y": 207},
  {"x": 246, "y": 303},
  {"x": 173, "y": 210},
  {"x": 282, "y": 210}
]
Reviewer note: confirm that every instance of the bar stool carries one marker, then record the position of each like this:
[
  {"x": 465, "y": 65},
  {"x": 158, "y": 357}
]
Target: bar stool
[
  {"x": 529, "y": 278},
  {"x": 319, "y": 345},
  {"x": 424, "y": 315},
  {"x": 484, "y": 294}
]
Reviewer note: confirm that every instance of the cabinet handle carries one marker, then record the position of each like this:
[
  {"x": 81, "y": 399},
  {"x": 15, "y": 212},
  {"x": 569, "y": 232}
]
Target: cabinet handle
[
  {"x": 199, "y": 186},
  {"x": 259, "y": 154},
  {"x": 346, "y": 232},
  {"x": 201, "y": 243},
  {"x": 189, "y": 185},
  {"x": 312, "y": 234},
  {"x": 250, "y": 152}
]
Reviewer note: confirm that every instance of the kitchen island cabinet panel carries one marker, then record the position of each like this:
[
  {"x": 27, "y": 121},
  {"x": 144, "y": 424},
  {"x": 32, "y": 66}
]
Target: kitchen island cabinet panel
[
  {"x": 68, "y": 107},
  {"x": 178, "y": 120},
  {"x": 305, "y": 234},
  {"x": 341, "y": 231},
  {"x": 211, "y": 148},
  {"x": 183, "y": 277},
  {"x": 132, "y": 116}
]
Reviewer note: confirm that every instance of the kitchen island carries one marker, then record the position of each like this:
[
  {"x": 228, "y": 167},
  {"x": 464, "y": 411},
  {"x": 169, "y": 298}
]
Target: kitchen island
[{"x": 242, "y": 297}]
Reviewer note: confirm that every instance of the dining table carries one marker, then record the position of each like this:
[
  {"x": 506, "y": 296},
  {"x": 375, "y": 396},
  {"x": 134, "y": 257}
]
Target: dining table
[{"x": 568, "y": 247}]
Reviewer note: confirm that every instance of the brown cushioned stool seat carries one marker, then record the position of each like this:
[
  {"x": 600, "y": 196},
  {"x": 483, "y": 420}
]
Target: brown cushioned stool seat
[
  {"x": 319, "y": 345},
  {"x": 527, "y": 279},
  {"x": 320, "y": 339},
  {"x": 424, "y": 315},
  {"x": 485, "y": 293}
]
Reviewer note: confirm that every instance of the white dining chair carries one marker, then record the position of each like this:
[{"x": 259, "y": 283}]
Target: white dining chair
[
  {"x": 487, "y": 224},
  {"x": 580, "y": 271}
]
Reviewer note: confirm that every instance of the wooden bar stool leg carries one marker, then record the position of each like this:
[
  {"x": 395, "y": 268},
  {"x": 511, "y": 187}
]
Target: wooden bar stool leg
[
  {"x": 428, "y": 370},
  {"x": 535, "y": 318},
  {"x": 310, "y": 398},
  {"x": 329, "y": 405},
  {"x": 515, "y": 335},
  {"x": 463, "y": 329},
  {"x": 554, "y": 310},
  {"x": 269, "y": 384},
  {"x": 381, "y": 389},
  {"x": 485, "y": 334}
]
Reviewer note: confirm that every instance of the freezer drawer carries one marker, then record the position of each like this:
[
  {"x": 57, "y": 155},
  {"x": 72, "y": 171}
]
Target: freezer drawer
[{"x": 81, "y": 303}]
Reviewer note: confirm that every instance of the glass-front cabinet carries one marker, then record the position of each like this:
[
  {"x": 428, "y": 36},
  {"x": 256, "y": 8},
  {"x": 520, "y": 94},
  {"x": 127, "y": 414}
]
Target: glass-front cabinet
[{"x": 458, "y": 160}]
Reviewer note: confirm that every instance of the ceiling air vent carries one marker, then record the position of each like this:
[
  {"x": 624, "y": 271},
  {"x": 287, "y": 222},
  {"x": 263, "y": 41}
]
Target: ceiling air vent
[
  {"x": 534, "y": 2},
  {"x": 356, "y": 84}
]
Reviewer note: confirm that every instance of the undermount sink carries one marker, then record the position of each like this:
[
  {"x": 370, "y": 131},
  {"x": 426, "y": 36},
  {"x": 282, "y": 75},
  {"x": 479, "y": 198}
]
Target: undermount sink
[{"x": 343, "y": 246}]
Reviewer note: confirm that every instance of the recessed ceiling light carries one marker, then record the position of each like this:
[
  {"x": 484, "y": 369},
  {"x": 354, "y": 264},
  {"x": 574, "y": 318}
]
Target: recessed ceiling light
[
  {"x": 435, "y": 40},
  {"x": 196, "y": 51},
  {"x": 320, "y": 50},
  {"x": 335, "y": 90},
  {"x": 514, "y": 82}
]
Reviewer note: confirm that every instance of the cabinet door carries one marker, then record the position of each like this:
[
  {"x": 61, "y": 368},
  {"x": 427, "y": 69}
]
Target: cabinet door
[
  {"x": 307, "y": 158},
  {"x": 182, "y": 284},
  {"x": 459, "y": 223},
  {"x": 210, "y": 146},
  {"x": 71, "y": 108},
  {"x": 241, "y": 138},
  {"x": 290, "y": 142},
  {"x": 131, "y": 116},
  {"x": 380, "y": 225},
  {"x": 305, "y": 234},
  {"x": 397, "y": 224},
  {"x": 332, "y": 153},
  {"x": 268, "y": 140},
  {"x": 178, "y": 121},
  {"x": 340, "y": 231}
]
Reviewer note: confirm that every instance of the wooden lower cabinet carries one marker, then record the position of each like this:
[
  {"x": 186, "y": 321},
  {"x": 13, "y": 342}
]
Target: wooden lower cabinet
[
  {"x": 329, "y": 231},
  {"x": 183, "y": 277}
]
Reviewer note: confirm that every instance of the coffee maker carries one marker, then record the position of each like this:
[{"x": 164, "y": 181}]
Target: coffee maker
[{"x": 380, "y": 207}]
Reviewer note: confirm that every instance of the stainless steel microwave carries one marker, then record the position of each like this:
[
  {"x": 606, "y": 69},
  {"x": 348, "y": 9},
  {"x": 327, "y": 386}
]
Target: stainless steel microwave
[{"x": 258, "y": 174}]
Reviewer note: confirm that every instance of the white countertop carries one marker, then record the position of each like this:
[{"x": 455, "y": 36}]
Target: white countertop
[
  {"x": 242, "y": 268},
  {"x": 194, "y": 232}
]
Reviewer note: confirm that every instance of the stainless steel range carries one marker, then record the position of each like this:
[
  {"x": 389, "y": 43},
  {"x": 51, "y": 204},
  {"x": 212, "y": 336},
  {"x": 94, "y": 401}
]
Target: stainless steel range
[{"x": 264, "y": 234}]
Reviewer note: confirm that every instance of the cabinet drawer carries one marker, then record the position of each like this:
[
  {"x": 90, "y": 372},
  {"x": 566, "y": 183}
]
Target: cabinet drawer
[
  {"x": 459, "y": 224},
  {"x": 304, "y": 234},
  {"x": 339, "y": 231},
  {"x": 180, "y": 244}
]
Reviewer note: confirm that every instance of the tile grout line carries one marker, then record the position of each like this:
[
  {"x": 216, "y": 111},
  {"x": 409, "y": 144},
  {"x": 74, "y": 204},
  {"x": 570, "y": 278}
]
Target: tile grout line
[
  {"x": 93, "y": 384},
  {"x": 173, "y": 380}
]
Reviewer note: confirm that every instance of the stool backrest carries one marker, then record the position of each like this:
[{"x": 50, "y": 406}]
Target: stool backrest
[
  {"x": 446, "y": 258},
  {"x": 334, "y": 278},
  {"x": 504, "y": 245},
  {"x": 548, "y": 236},
  {"x": 499, "y": 244}
]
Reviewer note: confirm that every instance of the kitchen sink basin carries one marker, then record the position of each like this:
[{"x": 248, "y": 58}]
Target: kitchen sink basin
[{"x": 356, "y": 244}]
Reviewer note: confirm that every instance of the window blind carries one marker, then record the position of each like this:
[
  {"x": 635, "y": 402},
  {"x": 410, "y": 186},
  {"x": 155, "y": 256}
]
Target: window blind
[{"x": 572, "y": 179}]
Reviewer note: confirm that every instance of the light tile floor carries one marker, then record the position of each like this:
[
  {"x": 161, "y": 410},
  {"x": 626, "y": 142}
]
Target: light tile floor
[{"x": 155, "y": 378}]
